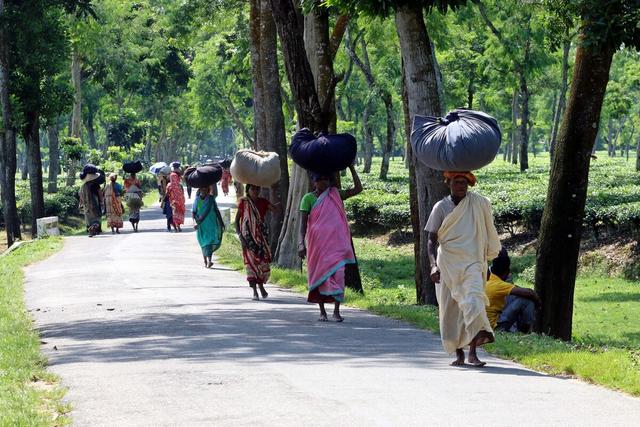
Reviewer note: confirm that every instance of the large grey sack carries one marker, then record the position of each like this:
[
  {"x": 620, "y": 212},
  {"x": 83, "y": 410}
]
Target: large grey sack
[
  {"x": 462, "y": 140},
  {"x": 261, "y": 168}
]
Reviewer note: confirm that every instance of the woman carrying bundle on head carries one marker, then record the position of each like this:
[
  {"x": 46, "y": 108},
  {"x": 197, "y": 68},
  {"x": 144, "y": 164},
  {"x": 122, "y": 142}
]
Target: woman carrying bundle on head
[
  {"x": 113, "y": 204},
  {"x": 175, "y": 199},
  {"x": 133, "y": 197},
  {"x": 91, "y": 200},
  {"x": 208, "y": 223},
  {"x": 253, "y": 232},
  {"x": 326, "y": 240}
]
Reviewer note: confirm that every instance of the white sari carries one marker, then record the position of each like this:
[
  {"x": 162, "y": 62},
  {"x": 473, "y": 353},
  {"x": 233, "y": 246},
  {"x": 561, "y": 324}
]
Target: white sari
[{"x": 468, "y": 240}]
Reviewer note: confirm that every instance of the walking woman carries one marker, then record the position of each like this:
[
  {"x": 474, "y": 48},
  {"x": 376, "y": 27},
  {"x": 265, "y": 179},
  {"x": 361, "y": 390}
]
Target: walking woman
[
  {"x": 113, "y": 204},
  {"x": 91, "y": 203},
  {"x": 326, "y": 239},
  {"x": 253, "y": 232},
  {"x": 133, "y": 197},
  {"x": 175, "y": 196},
  {"x": 225, "y": 180},
  {"x": 208, "y": 223}
]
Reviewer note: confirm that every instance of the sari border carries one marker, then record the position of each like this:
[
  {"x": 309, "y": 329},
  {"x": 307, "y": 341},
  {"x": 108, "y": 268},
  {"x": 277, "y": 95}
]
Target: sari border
[{"x": 328, "y": 274}]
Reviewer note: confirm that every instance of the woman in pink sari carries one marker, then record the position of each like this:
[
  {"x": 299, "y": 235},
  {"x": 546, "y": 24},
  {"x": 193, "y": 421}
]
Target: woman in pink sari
[
  {"x": 326, "y": 239},
  {"x": 175, "y": 194}
]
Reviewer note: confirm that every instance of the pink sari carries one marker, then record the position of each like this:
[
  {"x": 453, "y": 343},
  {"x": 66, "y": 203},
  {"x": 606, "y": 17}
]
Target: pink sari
[{"x": 328, "y": 248}]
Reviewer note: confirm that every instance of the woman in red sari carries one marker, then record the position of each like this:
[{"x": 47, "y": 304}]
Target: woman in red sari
[
  {"x": 253, "y": 232},
  {"x": 175, "y": 194},
  {"x": 225, "y": 181},
  {"x": 324, "y": 230}
]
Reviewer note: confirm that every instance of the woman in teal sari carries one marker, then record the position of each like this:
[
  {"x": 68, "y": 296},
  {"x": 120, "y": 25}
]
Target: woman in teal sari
[{"x": 209, "y": 225}]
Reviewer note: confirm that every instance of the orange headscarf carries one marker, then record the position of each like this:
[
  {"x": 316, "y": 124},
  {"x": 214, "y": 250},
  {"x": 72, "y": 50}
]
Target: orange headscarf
[{"x": 465, "y": 174}]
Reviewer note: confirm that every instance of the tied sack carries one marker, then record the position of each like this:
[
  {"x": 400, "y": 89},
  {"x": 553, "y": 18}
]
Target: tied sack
[
  {"x": 463, "y": 140},
  {"x": 202, "y": 176},
  {"x": 259, "y": 168},
  {"x": 132, "y": 167},
  {"x": 324, "y": 154}
]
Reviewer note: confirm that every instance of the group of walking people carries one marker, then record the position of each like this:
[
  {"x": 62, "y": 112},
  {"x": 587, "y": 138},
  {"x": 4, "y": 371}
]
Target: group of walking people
[
  {"x": 97, "y": 200},
  {"x": 462, "y": 239}
]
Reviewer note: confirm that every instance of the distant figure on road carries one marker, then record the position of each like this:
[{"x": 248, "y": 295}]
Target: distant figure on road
[
  {"x": 462, "y": 224},
  {"x": 225, "y": 181},
  {"x": 324, "y": 230},
  {"x": 91, "y": 200},
  {"x": 175, "y": 194},
  {"x": 133, "y": 198},
  {"x": 113, "y": 203},
  {"x": 511, "y": 308},
  {"x": 253, "y": 232},
  {"x": 208, "y": 223},
  {"x": 188, "y": 186}
]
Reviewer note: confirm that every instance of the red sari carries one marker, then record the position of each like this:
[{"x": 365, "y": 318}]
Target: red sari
[
  {"x": 176, "y": 198},
  {"x": 255, "y": 232}
]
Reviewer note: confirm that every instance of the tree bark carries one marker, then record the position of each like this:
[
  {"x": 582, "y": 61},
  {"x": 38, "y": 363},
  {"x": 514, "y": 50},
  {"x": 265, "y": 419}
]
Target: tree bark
[
  {"x": 8, "y": 163},
  {"x": 515, "y": 133},
  {"x": 54, "y": 157},
  {"x": 368, "y": 138},
  {"x": 268, "y": 117},
  {"x": 76, "y": 114},
  {"x": 638, "y": 155},
  {"x": 31, "y": 135},
  {"x": 564, "y": 85},
  {"x": 423, "y": 96},
  {"x": 562, "y": 219},
  {"x": 387, "y": 146}
]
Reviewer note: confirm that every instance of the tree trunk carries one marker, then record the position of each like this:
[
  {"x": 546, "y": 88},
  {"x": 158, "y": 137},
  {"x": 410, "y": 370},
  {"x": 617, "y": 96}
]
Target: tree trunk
[
  {"x": 514, "y": 125},
  {"x": 638, "y": 155},
  {"x": 423, "y": 97},
  {"x": 524, "y": 110},
  {"x": 305, "y": 97},
  {"x": 54, "y": 157},
  {"x": 387, "y": 147},
  {"x": 566, "y": 47},
  {"x": 24, "y": 172},
  {"x": 91, "y": 130},
  {"x": 368, "y": 138},
  {"x": 31, "y": 136},
  {"x": 76, "y": 114},
  {"x": 268, "y": 117},
  {"x": 8, "y": 164},
  {"x": 562, "y": 219}
]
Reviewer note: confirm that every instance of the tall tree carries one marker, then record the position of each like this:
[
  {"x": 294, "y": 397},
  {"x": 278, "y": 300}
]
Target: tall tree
[
  {"x": 604, "y": 27},
  {"x": 8, "y": 161},
  {"x": 267, "y": 102}
]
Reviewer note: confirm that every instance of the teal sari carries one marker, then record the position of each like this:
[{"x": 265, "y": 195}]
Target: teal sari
[{"x": 210, "y": 225}]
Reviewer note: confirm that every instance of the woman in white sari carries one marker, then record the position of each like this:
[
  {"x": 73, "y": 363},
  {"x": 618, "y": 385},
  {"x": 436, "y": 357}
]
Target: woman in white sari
[{"x": 462, "y": 225}]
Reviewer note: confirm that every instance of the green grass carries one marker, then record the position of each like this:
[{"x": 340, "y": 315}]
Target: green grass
[
  {"x": 606, "y": 316},
  {"x": 29, "y": 395}
]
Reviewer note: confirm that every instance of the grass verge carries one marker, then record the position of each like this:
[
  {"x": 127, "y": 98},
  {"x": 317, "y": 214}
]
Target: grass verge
[
  {"x": 29, "y": 395},
  {"x": 606, "y": 319}
]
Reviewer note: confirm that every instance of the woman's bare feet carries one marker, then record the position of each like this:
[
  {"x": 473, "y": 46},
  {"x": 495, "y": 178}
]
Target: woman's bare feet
[
  {"x": 263, "y": 292},
  {"x": 337, "y": 317},
  {"x": 459, "y": 358},
  {"x": 473, "y": 360},
  {"x": 483, "y": 337},
  {"x": 323, "y": 318}
]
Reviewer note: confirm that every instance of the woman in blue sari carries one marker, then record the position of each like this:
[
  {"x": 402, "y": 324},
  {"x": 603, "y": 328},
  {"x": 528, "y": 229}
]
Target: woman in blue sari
[{"x": 209, "y": 225}]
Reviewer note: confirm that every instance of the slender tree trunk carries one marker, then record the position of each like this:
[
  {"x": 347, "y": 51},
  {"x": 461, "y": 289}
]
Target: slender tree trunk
[
  {"x": 514, "y": 124},
  {"x": 31, "y": 136},
  {"x": 566, "y": 47},
  {"x": 563, "y": 215},
  {"x": 54, "y": 157},
  {"x": 25, "y": 165},
  {"x": 91, "y": 131},
  {"x": 423, "y": 95},
  {"x": 76, "y": 114},
  {"x": 7, "y": 140},
  {"x": 268, "y": 117},
  {"x": 368, "y": 138},
  {"x": 638, "y": 155},
  {"x": 524, "y": 110},
  {"x": 387, "y": 147}
]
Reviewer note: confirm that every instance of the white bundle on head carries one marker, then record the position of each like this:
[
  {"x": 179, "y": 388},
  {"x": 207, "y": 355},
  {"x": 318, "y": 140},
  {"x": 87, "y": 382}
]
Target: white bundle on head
[{"x": 259, "y": 168}]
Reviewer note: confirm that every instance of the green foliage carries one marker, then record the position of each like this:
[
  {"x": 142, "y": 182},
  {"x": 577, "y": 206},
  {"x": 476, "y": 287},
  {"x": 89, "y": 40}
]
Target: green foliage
[{"x": 72, "y": 148}]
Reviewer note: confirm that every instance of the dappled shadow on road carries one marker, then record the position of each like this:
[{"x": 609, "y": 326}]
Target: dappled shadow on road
[{"x": 268, "y": 331}]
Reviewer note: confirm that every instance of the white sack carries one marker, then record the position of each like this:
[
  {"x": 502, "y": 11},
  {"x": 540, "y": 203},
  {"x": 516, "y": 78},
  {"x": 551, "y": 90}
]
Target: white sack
[{"x": 259, "y": 168}]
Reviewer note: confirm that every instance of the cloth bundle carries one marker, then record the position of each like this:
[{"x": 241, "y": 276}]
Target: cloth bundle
[
  {"x": 325, "y": 154},
  {"x": 88, "y": 169},
  {"x": 203, "y": 176},
  {"x": 463, "y": 140},
  {"x": 259, "y": 168},
  {"x": 132, "y": 167}
]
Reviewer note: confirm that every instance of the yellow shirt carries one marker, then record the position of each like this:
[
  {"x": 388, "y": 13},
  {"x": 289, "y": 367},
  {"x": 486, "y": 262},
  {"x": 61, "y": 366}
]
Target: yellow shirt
[{"x": 497, "y": 291}]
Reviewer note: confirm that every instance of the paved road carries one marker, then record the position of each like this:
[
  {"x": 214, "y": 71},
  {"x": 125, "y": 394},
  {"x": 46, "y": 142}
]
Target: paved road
[{"x": 144, "y": 335}]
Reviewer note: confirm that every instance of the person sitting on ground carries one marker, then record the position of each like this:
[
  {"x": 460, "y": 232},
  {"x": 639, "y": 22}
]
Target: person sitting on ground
[{"x": 511, "y": 308}]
